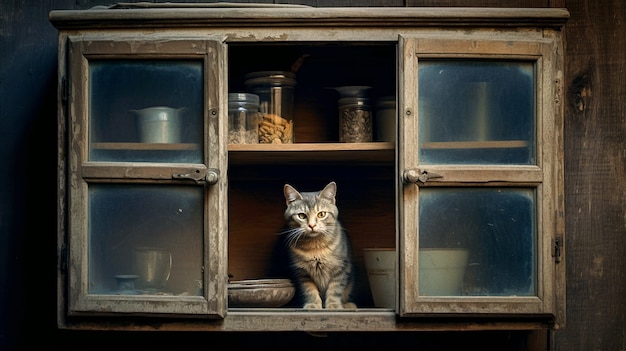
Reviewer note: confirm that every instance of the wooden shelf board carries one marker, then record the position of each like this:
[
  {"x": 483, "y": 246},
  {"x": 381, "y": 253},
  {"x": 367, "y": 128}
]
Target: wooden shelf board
[
  {"x": 375, "y": 152},
  {"x": 490, "y": 144},
  {"x": 312, "y": 147},
  {"x": 146, "y": 146}
]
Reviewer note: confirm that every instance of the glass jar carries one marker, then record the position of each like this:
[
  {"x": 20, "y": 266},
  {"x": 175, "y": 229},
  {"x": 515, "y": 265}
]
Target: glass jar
[
  {"x": 355, "y": 120},
  {"x": 386, "y": 119},
  {"x": 276, "y": 104},
  {"x": 243, "y": 118}
]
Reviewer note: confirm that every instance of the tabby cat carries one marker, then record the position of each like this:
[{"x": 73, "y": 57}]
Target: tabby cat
[{"x": 319, "y": 250}]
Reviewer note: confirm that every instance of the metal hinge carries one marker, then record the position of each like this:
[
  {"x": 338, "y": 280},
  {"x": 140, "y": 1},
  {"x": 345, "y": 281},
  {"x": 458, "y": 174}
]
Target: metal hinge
[
  {"x": 557, "y": 245},
  {"x": 558, "y": 91}
]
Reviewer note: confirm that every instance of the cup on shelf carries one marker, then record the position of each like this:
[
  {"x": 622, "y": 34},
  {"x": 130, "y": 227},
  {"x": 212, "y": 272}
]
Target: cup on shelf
[{"x": 159, "y": 124}]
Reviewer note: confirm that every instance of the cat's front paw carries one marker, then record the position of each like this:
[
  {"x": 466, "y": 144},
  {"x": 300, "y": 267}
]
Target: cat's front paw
[
  {"x": 312, "y": 306},
  {"x": 339, "y": 306},
  {"x": 349, "y": 306},
  {"x": 334, "y": 306}
]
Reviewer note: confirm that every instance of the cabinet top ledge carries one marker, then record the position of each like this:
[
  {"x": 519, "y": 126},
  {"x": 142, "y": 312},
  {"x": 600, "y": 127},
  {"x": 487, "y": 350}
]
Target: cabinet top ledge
[{"x": 255, "y": 15}]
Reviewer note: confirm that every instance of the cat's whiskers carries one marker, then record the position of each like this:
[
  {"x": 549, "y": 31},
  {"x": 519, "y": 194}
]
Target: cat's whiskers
[
  {"x": 320, "y": 251},
  {"x": 293, "y": 235}
]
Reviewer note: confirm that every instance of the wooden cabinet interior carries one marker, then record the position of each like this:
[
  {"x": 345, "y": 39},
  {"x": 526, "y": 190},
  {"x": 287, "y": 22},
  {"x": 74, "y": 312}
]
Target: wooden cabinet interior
[
  {"x": 318, "y": 68},
  {"x": 366, "y": 189},
  {"x": 366, "y": 201}
]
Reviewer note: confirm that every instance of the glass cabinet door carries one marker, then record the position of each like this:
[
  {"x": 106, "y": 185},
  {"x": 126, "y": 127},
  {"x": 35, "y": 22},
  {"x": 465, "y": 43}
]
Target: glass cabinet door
[
  {"x": 145, "y": 110},
  {"x": 146, "y": 145},
  {"x": 477, "y": 165}
]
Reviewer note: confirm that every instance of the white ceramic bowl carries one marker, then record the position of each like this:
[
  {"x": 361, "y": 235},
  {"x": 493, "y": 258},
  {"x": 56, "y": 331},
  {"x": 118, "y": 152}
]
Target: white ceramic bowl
[
  {"x": 380, "y": 264},
  {"x": 441, "y": 271}
]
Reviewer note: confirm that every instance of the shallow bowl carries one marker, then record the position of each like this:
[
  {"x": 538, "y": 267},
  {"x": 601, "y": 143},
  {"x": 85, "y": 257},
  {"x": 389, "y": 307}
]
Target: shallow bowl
[{"x": 260, "y": 292}]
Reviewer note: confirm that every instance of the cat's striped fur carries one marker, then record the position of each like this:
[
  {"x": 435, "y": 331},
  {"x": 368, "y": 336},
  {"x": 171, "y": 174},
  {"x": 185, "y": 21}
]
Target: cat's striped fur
[{"x": 319, "y": 250}]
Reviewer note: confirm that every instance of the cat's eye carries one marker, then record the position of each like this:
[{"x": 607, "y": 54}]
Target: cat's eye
[
  {"x": 301, "y": 215},
  {"x": 321, "y": 214}
]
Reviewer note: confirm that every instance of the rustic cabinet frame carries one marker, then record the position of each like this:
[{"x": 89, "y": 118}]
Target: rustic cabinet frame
[
  {"x": 211, "y": 54},
  {"x": 542, "y": 176},
  {"x": 205, "y": 33}
]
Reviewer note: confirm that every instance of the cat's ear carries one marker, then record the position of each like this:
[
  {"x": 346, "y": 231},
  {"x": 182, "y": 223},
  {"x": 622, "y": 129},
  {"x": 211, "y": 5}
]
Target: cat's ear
[
  {"x": 291, "y": 194},
  {"x": 329, "y": 192}
]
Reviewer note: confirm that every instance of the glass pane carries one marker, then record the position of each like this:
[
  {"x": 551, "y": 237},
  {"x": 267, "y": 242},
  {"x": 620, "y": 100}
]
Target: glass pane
[
  {"x": 477, "y": 241},
  {"x": 476, "y": 112},
  {"x": 145, "y": 239},
  {"x": 146, "y": 110}
]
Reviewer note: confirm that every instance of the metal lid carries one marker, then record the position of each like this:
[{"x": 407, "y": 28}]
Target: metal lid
[
  {"x": 354, "y": 102},
  {"x": 275, "y": 78},
  {"x": 246, "y": 98}
]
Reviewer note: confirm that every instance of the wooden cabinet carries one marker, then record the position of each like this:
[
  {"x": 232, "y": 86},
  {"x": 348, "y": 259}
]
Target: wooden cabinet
[{"x": 475, "y": 167}]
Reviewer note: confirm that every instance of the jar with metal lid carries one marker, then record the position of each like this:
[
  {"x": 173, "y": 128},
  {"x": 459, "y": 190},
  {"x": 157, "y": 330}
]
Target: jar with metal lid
[
  {"x": 385, "y": 119},
  {"x": 355, "y": 120},
  {"x": 276, "y": 104},
  {"x": 243, "y": 118}
]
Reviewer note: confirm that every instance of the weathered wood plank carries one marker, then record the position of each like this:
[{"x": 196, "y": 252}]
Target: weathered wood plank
[
  {"x": 481, "y": 3},
  {"x": 318, "y": 17},
  {"x": 595, "y": 176}
]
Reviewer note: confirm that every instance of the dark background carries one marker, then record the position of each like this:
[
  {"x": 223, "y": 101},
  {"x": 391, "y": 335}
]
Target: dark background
[{"x": 595, "y": 195}]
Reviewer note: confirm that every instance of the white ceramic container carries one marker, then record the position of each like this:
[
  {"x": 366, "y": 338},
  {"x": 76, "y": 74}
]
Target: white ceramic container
[{"x": 380, "y": 264}]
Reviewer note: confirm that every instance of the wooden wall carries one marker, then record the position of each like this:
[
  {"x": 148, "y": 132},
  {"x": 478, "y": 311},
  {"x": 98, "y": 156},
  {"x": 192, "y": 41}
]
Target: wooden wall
[
  {"x": 595, "y": 176},
  {"x": 595, "y": 193}
]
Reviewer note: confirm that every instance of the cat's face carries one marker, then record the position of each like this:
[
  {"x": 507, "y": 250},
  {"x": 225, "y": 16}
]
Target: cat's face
[{"x": 311, "y": 214}]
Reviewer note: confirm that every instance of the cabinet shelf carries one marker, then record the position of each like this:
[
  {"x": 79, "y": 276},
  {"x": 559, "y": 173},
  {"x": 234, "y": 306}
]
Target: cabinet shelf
[
  {"x": 289, "y": 320},
  {"x": 375, "y": 153},
  {"x": 146, "y": 146},
  {"x": 490, "y": 144}
]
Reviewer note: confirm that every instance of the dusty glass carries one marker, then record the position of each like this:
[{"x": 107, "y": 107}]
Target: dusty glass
[
  {"x": 145, "y": 239},
  {"x": 476, "y": 112},
  {"x": 146, "y": 110},
  {"x": 494, "y": 229}
]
